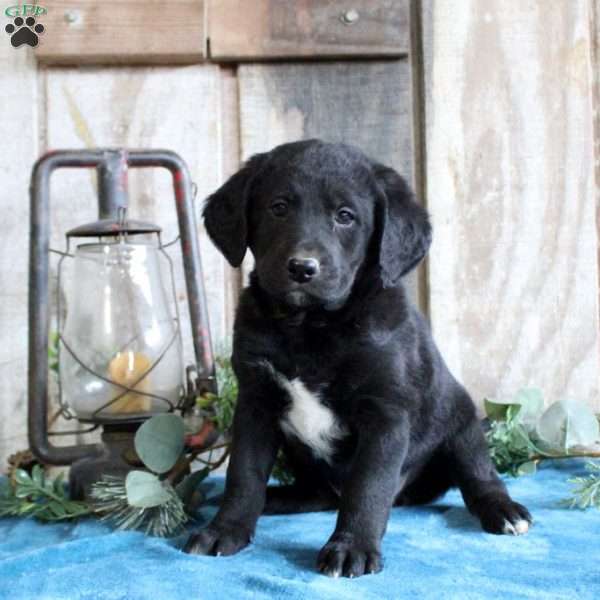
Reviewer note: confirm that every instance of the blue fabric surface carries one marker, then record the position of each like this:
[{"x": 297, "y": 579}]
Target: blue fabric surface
[{"x": 436, "y": 551}]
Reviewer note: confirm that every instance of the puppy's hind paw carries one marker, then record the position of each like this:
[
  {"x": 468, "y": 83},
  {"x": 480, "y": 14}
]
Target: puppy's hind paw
[{"x": 503, "y": 516}]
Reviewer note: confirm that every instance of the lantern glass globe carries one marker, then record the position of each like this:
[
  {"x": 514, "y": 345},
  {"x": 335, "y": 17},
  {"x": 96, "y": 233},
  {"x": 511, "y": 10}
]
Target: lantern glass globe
[{"x": 120, "y": 354}]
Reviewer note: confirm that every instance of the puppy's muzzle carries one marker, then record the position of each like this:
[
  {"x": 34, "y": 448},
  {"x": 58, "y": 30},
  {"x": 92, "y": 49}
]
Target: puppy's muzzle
[{"x": 302, "y": 270}]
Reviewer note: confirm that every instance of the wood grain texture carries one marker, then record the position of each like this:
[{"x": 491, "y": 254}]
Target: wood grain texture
[
  {"x": 265, "y": 29},
  {"x": 175, "y": 108},
  {"x": 594, "y": 68},
  {"x": 18, "y": 150},
  {"x": 113, "y": 31},
  {"x": 510, "y": 178},
  {"x": 229, "y": 121},
  {"x": 366, "y": 104}
]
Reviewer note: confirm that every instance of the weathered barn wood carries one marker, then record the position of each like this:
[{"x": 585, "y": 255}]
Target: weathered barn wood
[
  {"x": 367, "y": 104},
  {"x": 263, "y": 29},
  {"x": 594, "y": 67},
  {"x": 230, "y": 156},
  {"x": 177, "y": 108},
  {"x": 510, "y": 178},
  {"x": 112, "y": 31},
  {"x": 18, "y": 150}
]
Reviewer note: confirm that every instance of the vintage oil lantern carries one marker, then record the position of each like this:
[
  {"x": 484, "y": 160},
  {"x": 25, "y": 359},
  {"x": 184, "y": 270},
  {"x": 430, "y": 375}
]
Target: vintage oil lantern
[{"x": 119, "y": 343}]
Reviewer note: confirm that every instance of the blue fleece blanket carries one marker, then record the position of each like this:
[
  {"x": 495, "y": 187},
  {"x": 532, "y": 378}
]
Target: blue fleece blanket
[{"x": 436, "y": 552}]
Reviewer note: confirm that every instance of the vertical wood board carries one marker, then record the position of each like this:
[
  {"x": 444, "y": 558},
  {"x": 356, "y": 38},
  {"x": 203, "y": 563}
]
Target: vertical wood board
[
  {"x": 366, "y": 104},
  {"x": 230, "y": 150},
  {"x": 18, "y": 150},
  {"x": 514, "y": 291}
]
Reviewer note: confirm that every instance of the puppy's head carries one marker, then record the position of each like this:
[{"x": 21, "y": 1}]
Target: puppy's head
[{"x": 316, "y": 216}]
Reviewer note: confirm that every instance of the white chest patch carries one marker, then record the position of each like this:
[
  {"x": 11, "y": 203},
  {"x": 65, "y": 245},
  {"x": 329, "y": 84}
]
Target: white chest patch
[{"x": 308, "y": 418}]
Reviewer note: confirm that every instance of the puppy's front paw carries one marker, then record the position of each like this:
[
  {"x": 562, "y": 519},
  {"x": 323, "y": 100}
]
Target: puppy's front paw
[
  {"x": 343, "y": 555},
  {"x": 502, "y": 515},
  {"x": 217, "y": 541}
]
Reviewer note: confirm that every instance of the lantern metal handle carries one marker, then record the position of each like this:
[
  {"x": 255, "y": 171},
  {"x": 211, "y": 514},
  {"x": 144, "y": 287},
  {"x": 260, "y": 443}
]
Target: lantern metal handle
[{"x": 112, "y": 166}]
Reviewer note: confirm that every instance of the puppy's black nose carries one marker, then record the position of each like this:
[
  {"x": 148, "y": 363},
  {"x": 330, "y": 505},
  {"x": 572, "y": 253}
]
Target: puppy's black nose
[{"x": 303, "y": 269}]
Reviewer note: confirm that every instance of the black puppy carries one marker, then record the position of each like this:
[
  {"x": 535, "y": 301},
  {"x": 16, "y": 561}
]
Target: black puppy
[{"x": 335, "y": 366}]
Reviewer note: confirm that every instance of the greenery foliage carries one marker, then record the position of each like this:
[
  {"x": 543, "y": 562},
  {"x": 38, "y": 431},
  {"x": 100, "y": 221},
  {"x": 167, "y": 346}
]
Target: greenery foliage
[
  {"x": 143, "y": 500},
  {"x": 521, "y": 434},
  {"x": 37, "y": 496},
  {"x": 222, "y": 406}
]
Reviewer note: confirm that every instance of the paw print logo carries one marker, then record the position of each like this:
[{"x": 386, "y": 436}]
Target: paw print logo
[{"x": 24, "y": 32}]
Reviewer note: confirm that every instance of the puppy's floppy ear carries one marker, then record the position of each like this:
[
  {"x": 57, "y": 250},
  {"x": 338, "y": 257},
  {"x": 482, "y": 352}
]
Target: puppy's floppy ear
[
  {"x": 225, "y": 212},
  {"x": 404, "y": 228}
]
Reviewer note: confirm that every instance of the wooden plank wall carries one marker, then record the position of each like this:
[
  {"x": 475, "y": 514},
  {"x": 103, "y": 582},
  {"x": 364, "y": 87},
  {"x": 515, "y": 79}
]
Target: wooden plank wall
[
  {"x": 510, "y": 184},
  {"x": 18, "y": 150},
  {"x": 508, "y": 163}
]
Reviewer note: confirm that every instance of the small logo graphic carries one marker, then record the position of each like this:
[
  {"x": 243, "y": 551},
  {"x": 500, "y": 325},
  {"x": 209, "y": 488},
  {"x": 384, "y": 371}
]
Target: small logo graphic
[
  {"x": 24, "y": 32},
  {"x": 25, "y": 10}
]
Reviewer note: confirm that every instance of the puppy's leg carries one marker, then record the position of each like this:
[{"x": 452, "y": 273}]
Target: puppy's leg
[
  {"x": 367, "y": 496},
  {"x": 484, "y": 493},
  {"x": 255, "y": 442},
  {"x": 433, "y": 481},
  {"x": 289, "y": 499}
]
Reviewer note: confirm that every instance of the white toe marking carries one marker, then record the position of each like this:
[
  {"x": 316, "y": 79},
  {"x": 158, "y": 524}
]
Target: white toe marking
[
  {"x": 518, "y": 528},
  {"x": 522, "y": 526},
  {"x": 509, "y": 528},
  {"x": 307, "y": 417}
]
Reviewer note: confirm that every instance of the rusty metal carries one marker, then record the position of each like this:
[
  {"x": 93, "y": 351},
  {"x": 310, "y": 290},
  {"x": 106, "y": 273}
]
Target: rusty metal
[{"x": 112, "y": 166}]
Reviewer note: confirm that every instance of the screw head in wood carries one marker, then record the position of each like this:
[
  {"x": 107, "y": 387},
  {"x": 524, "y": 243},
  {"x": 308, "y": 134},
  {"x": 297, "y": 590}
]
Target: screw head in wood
[
  {"x": 72, "y": 17},
  {"x": 350, "y": 17}
]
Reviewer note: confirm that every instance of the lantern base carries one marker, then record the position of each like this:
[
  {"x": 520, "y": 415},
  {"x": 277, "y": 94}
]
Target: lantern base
[{"x": 117, "y": 458}]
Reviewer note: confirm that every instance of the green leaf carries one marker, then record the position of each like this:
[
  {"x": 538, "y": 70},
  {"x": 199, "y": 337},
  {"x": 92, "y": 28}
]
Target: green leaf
[
  {"x": 57, "y": 509},
  {"x": 23, "y": 492},
  {"x": 567, "y": 423},
  {"x": 159, "y": 442},
  {"x": 37, "y": 474},
  {"x": 145, "y": 490},
  {"x": 58, "y": 487},
  {"x": 500, "y": 411},
  {"x": 22, "y": 477},
  {"x": 531, "y": 401}
]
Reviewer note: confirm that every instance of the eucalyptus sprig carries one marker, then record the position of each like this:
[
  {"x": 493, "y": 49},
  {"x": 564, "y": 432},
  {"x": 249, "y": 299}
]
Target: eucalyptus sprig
[
  {"x": 37, "y": 496},
  {"x": 146, "y": 500},
  {"x": 521, "y": 434}
]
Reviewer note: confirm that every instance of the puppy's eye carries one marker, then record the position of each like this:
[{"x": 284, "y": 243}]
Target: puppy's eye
[
  {"x": 344, "y": 216},
  {"x": 279, "y": 208}
]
